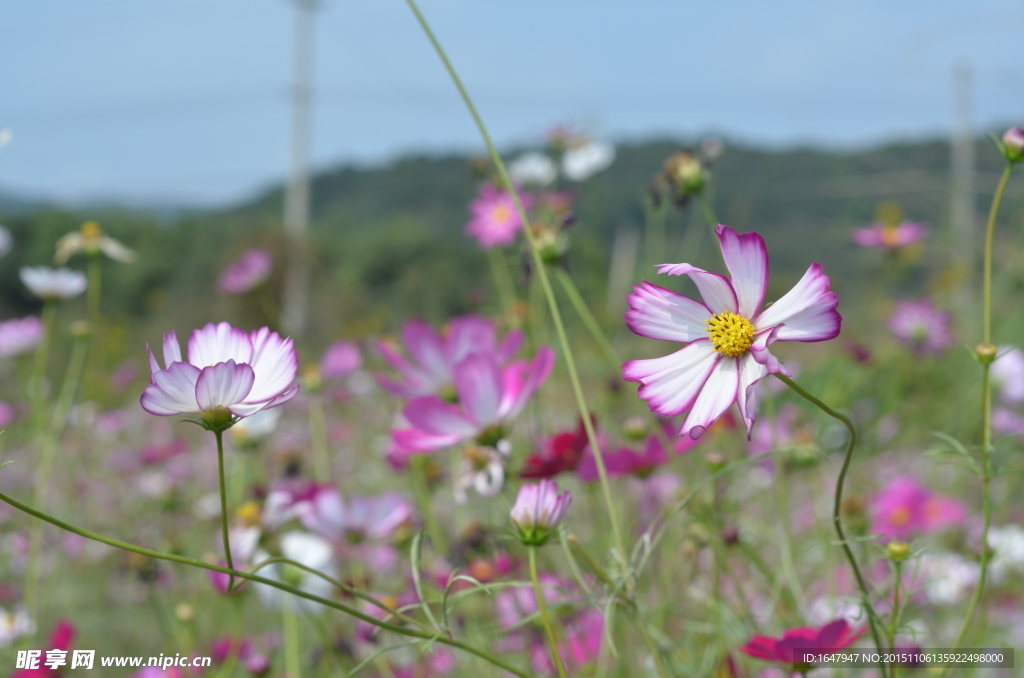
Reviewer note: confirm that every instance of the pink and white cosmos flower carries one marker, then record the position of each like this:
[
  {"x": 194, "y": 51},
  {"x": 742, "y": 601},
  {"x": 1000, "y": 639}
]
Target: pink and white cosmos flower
[
  {"x": 727, "y": 336},
  {"x": 488, "y": 397},
  {"x": 885, "y": 237},
  {"x": 229, "y": 372},
  {"x": 429, "y": 369},
  {"x": 495, "y": 220}
]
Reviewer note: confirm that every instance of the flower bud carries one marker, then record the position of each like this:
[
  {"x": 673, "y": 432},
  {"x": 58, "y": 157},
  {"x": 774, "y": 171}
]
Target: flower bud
[
  {"x": 184, "y": 612},
  {"x": 986, "y": 353},
  {"x": 898, "y": 551},
  {"x": 538, "y": 510},
  {"x": 715, "y": 461},
  {"x": 685, "y": 173},
  {"x": 1013, "y": 144},
  {"x": 311, "y": 379},
  {"x": 635, "y": 428}
]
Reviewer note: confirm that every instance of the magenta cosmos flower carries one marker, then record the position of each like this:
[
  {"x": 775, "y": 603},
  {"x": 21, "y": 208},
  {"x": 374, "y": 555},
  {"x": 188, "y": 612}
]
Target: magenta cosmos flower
[
  {"x": 539, "y": 510},
  {"x": 245, "y": 273},
  {"x": 488, "y": 396},
  {"x": 905, "y": 508},
  {"x": 20, "y": 335},
  {"x": 494, "y": 220},
  {"x": 433, "y": 355},
  {"x": 921, "y": 326},
  {"x": 833, "y": 636},
  {"x": 230, "y": 373},
  {"x": 727, "y": 336},
  {"x": 886, "y": 237}
]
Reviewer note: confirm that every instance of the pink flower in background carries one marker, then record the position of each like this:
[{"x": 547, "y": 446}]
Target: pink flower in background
[
  {"x": 229, "y": 373},
  {"x": 905, "y": 508},
  {"x": 559, "y": 453},
  {"x": 1008, "y": 374},
  {"x": 360, "y": 518},
  {"x": 124, "y": 375},
  {"x": 627, "y": 461},
  {"x": 489, "y": 396},
  {"x": 7, "y": 413},
  {"x": 583, "y": 636},
  {"x": 727, "y": 336},
  {"x": 60, "y": 639},
  {"x": 246, "y": 272},
  {"x": 885, "y": 237},
  {"x": 341, "y": 359},
  {"x": 20, "y": 335},
  {"x": 921, "y": 326},
  {"x": 434, "y": 354},
  {"x": 495, "y": 221},
  {"x": 833, "y": 636},
  {"x": 1007, "y": 422}
]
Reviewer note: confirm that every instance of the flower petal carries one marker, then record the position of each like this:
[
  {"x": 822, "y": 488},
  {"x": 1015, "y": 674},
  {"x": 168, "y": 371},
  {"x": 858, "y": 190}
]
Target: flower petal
[
  {"x": 409, "y": 441},
  {"x": 478, "y": 382},
  {"x": 223, "y": 385},
  {"x": 427, "y": 346},
  {"x": 808, "y": 311},
  {"x": 275, "y": 362},
  {"x": 521, "y": 380},
  {"x": 750, "y": 372},
  {"x": 467, "y": 335},
  {"x": 657, "y": 313},
  {"x": 172, "y": 349},
  {"x": 718, "y": 393},
  {"x": 670, "y": 384},
  {"x": 173, "y": 391},
  {"x": 248, "y": 409},
  {"x": 432, "y": 415},
  {"x": 746, "y": 257},
  {"x": 715, "y": 290},
  {"x": 154, "y": 366},
  {"x": 759, "y": 350},
  {"x": 217, "y": 344},
  {"x": 509, "y": 346}
]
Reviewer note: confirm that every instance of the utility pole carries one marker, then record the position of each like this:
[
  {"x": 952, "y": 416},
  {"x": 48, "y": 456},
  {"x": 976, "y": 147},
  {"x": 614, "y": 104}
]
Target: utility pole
[
  {"x": 295, "y": 302},
  {"x": 962, "y": 194}
]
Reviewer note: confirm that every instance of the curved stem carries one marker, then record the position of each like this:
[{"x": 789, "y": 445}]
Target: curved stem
[
  {"x": 224, "y": 506},
  {"x": 986, "y": 409},
  {"x": 543, "y": 609},
  {"x": 341, "y": 607},
  {"x": 542, "y": 275},
  {"x": 837, "y": 506}
]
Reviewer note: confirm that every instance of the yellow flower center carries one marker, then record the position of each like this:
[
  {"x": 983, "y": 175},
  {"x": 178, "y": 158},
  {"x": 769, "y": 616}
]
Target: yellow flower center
[
  {"x": 731, "y": 334},
  {"x": 91, "y": 230},
  {"x": 899, "y": 516},
  {"x": 501, "y": 213},
  {"x": 889, "y": 237}
]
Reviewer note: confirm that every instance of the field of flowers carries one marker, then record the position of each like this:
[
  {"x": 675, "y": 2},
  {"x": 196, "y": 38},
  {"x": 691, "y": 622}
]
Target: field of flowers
[{"x": 733, "y": 472}]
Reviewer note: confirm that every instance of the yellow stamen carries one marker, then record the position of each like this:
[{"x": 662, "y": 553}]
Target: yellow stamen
[
  {"x": 731, "y": 334},
  {"x": 501, "y": 213},
  {"x": 91, "y": 230}
]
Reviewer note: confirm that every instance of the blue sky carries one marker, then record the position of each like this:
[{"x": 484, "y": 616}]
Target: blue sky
[{"x": 186, "y": 100}]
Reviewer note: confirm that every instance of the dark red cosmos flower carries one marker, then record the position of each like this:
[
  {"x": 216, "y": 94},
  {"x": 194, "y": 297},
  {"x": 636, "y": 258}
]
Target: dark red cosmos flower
[
  {"x": 60, "y": 639},
  {"x": 831, "y": 637},
  {"x": 560, "y": 453}
]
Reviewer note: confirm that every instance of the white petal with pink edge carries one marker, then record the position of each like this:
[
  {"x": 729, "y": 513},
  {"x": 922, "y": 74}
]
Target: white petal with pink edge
[
  {"x": 410, "y": 441},
  {"x": 478, "y": 381},
  {"x": 249, "y": 409},
  {"x": 750, "y": 372},
  {"x": 427, "y": 346},
  {"x": 172, "y": 348},
  {"x": 657, "y": 313},
  {"x": 808, "y": 311},
  {"x": 275, "y": 362},
  {"x": 173, "y": 391},
  {"x": 718, "y": 393},
  {"x": 746, "y": 257},
  {"x": 759, "y": 351},
  {"x": 714, "y": 289},
  {"x": 671, "y": 384},
  {"x": 223, "y": 385},
  {"x": 520, "y": 381},
  {"x": 217, "y": 344},
  {"x": 432, "y": 415}
]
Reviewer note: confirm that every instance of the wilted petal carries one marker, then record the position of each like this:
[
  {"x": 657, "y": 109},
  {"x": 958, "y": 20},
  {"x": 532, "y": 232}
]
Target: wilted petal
[
  {"x": 173, "y": 391},
  {"x": 223, "y": 385},
  {"x": 670, "y": 384},
  {"x": 718, "y": 393},
  {"x": 746, "y": 257},
  {"x": 657, "y": 313},
  {"x": 808, "y": 311},
  {"x": 217, "y": 344}
]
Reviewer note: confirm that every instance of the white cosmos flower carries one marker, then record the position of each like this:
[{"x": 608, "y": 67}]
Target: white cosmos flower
[
  {"x": 53, "y": 283},
  {"x": 309, "y": 550},
  {"x": 533, "y": 168},
  {"x": 14, "y": 624},
  {"x": 584, "y": 161}
]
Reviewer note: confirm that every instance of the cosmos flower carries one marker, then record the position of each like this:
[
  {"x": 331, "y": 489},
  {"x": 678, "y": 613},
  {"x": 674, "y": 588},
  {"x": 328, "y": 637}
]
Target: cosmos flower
[
  {"x": 539, "y": 510},
  {"x": 559, "y": 453},
  {"x": 886, "y": 237},
  {"x": 359, "y": 519},
  {"x": 433, "y": 355},
  {"x": 905, "y": 508},
  {"x": 91, "y": 240},
  {"x": 1013, "y": 144},
  {"x": 229, "y": 373},
  {"x": 341, "y": 359},
  {"x": 307, "y": 549},
  {"x": 727, "y": 336},
  {"x": 947, "y": 577},
  {"x": 20, "y": 335},
  {"x": 60, "y": 639},
  {"x": 584, "y": 160},
  {"x": 246, "y": 272},
  {"x": 53, "y": 283},
  {"x": 1007, "y": 422},
  {"x": 1007, "y": 543},
  {"x": 627, "y": 461},
  {"x": 489, "y": 396},
  {"x": 921, "y": 326},
  {"x": 1007, "y": 373},
  {"x": 494, "y": 219},
  {"x": 831, "y": 637},
  {"x": 6, "y": 241},
  {"x": 533, "y": 169},
  {"x": 14, "y": 624}
]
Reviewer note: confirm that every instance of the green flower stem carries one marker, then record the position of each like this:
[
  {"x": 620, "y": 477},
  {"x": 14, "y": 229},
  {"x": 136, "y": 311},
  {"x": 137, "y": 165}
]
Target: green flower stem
[
  {"x": 543, "y": 609},
  {"x": 421, "y": 487},
  {"x": 655, "y": 230},
  {"x": 837, "y": 506},
  {"x": 502, "y": 278},
  {"x": 986, "y": 410},
  {"x": 318, "y": 434},
  {"x": 894, "y": 622},
  {"x": 569, "y": 287},
  {"x": 224, "y": 506},
  {"x": 292, "y": 650},
  {"x": 542, "y": 275},
  {"x": 39, "y": 361},
  {"x": 93, "y": 296},
  {"x": 174, "y": 558},
  {"x": 709, "y": 213},
  {"x": 652, "y": 648}
]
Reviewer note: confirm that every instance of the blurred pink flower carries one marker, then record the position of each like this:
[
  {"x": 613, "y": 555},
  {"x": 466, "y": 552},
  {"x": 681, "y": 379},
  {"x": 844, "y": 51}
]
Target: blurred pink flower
[
  {"x": 1008, "y": 374},
  {"x": 246, "y": 272},
  {"x": 885, "y": 237},
  {"x": 559, "y": 453},
  {"x": 60, "y": 639},
  {"x": 228, "y": 370},
  {"x": 489, "y": 396},
  {"x": 627, "y": 461},
  {"x": 833, "y": 636},
  {"x": 1008, "y": 422},
  {"x": 359, "y": 519},
  {"x": 124, "y": 375},
  {"x": 19, "y": 335},
  {"x": 340, "y": 360},
  {"x": 727, "y": 336},
  {"x": 435, "y": 354},
  {"x": 921, "y": 326},
  {"x": 7, "y": 413},
  {"x": 905, "y": 508},
  {"x": 495, "y": 220}
]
